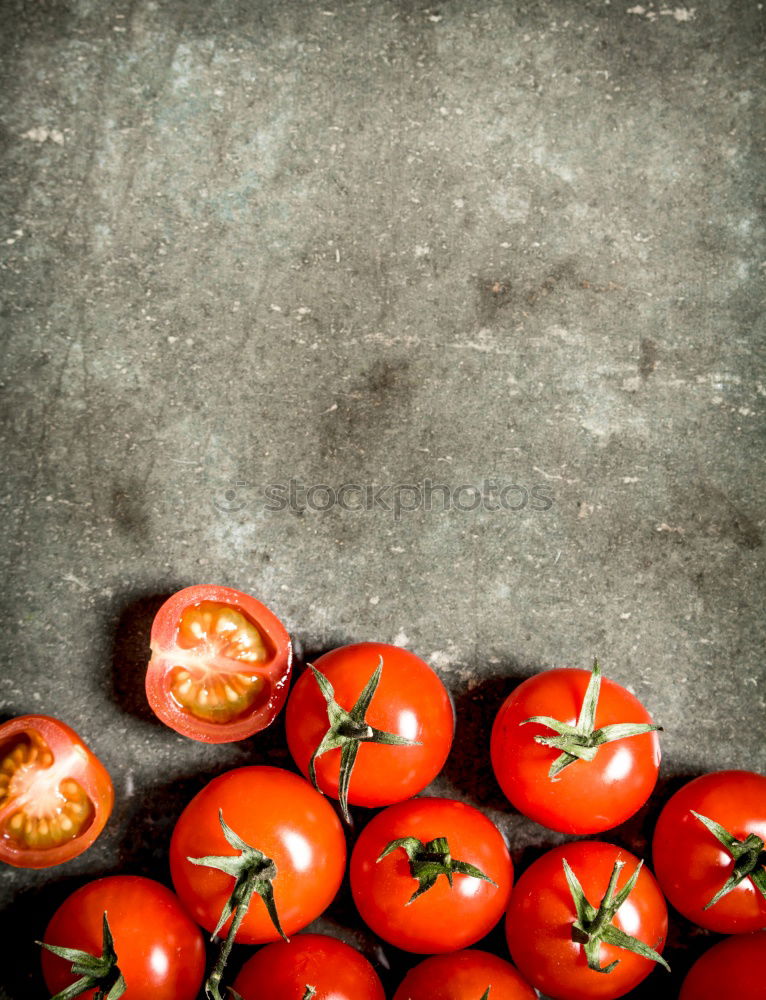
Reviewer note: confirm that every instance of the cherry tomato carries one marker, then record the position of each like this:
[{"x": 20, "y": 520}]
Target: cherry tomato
[
  {"x": 220, "y": 664},
  {"x": 278, "y": 814},
  {"x": 550, "y": 952},
  {"x": 464, "y": 975},
  {"x": 732, "y": 968},
  {"x": 55, "y": 795},
  {"x": 409, "y": 703},
  {"x": 401, "y": 869},
  {"x": 693, "y": 865},
  {"x": 159, "y": 950},
  {"x": 586, "y": 795},
  {"x": 331, "y": 968}
]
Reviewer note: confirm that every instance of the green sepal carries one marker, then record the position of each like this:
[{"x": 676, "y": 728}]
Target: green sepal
[
  {"x": 347, "y": 730},
  {"x": 594, "y": 926},
  {"x": 485, "y": 995},
  {"x": 99, "y": 972},
  {"x": 748, "y": 856},
  {"x": 581, "y": 742},
  {"x": 311, "y": 991},
  {"x": 430, "y": 860}
]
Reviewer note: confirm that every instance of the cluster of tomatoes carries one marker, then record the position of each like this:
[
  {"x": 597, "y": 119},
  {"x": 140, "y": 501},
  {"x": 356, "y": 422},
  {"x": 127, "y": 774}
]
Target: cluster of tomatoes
[{"x": 260, "y": 852}]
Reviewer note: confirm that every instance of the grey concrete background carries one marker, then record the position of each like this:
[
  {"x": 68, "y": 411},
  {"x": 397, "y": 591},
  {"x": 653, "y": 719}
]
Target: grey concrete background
[{"x": 477, "y": 242}]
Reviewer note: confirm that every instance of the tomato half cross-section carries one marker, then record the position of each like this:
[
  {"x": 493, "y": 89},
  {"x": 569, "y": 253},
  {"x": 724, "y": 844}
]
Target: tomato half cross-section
[
  {"x": 55, "y": 795},
  {"x": 431, "y": 875},
  {"x": 464, "y": 975},
  {"x": 310, "y": 965},
  {"x": 220, "y": 664},
  {"x": 709, "y": 854},
  {"x": 137, "y": 928},
  {"x": 370, "y": 724},
  {"x": 586, "y": 920},
  {"x": 575, "y": 752},
  {"x": 732, "y": 968}
]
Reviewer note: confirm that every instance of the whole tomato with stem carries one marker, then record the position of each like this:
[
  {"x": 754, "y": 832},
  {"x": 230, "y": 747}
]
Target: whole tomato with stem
[
  {"x": 256, "y": 832},
  {"x": 312, "y": 966},
  {"x": 709, "y": 854},
  {"x": 732, "y": 968},
  {"x": 220, "y": 664},
  {"x": 575, "y": 752},
  {"x": 55, "y": 794},
  {"x": 464, "y": 975},
  {"x": 123, "y": 935},
  {"x": 370, "y": 724},
  {"x": 431, "y": 875},
  {"x": 586, "y": 920}
]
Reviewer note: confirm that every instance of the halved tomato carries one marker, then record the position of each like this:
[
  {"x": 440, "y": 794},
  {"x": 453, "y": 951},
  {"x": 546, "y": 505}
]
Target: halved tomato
[
  {"x": 55, "y": 795},
  {"x": 220, "y": 665}
]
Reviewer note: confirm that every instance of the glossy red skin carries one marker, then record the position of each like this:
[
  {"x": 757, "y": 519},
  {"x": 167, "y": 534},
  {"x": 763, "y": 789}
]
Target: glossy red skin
[
  {"x": 276, "y": 669},
  {"x": 588, "y": 796},
  {"x": 85, "y": 768},
  {"x": 160, "y": 950},
  {"x": 541, "y": 914},
  {"x": 732, "y": 968},
  {"x": 410, "y": 701},
  {"x": 283, "y": 971},
  {"x": 464, "y": 975},
  {"x": 281, "y": 815},
  {"x": 692, "y": 865},
  {"x": 443, "y": 918}
]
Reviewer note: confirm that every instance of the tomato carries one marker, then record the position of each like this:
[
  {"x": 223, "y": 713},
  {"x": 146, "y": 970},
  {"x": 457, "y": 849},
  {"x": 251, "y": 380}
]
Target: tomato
[
  {"x": 159, "y": 950},
  {"x": 278, "y": 814},
  {"x": 431, "y": 875},
  {"x": 220, "y": 664},
  {"x": 55, "y": 795},
  {"x": 553, "y": 933},
  {"x": 575, "y": 709},
  {"x": 331, "y": 968},
  {"x": 396, "y": 741},
  {"x": 464, "y": 975},
  {"x": 732, "y": 968},
  {"x": 693, "y": 865}
]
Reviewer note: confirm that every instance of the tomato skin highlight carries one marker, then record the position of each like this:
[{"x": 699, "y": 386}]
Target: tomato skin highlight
[
  {"x": 732, "y": 968},
  {"x": 464, "y": 975},
  {"x": 442, "y": 919},
  {"x": 160, "y": 950},
  {"x": 410, "y": 701},
  {"x": 72, "y": 760},
  {"x": 281, "y": 815},
  {"x": 588, "y": 796},
  {"x": 690, "y": 863},
  {"x": 275, "y": 671},
  {"x": 282, "y": 971},
  {"x": 541, "y": 914}
]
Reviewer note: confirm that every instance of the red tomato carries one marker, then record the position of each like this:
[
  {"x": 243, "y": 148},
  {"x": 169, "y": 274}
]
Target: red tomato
[
  {"x": 587, "y": 796},
  {"x": 160, "y": 951},
  {"x": 284, "y": 971},
  {"x": 410, "y": 702},
  {"x": 464, "y": 975},
  {"x": 279, "y": 814},
  {"x": 691, "y": 863},
  {"x": 541, "y": 917},
  {"x": 385, "y": 876},
  {"x": 220, "y": 665},
  {"x": 732, "y": 968},
  {"x": 55, "y": 795}
]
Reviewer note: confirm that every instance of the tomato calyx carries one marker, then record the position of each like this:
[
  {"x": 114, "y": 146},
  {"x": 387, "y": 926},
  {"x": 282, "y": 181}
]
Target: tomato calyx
[
  {"x": 430, "y": 860},
  {"x": 99, "y": 972},
  {"x": 254, "y": 874},
  {"x": 348, "y": 730},
  {"x": 749, "y": 858},
  {"x": 582, "y": 741},
  {"x": 594, "y": 926},
  {"x": 310, "y": 992}
]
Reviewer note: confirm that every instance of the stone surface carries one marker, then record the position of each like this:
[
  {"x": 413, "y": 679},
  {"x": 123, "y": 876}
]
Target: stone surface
[{"x": 478, "y": 244}]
